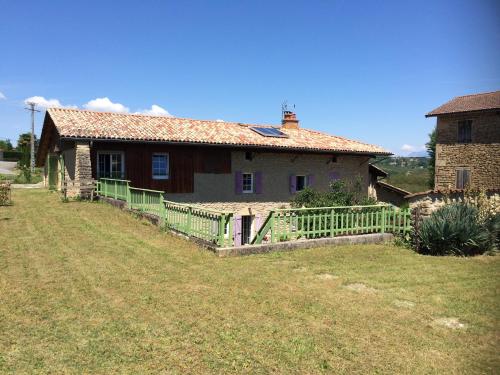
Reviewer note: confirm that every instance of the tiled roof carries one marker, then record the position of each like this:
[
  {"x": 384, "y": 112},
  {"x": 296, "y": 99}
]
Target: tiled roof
[
  {"x": 72, "y": 123},
  {"x": 467, "y": 103}
]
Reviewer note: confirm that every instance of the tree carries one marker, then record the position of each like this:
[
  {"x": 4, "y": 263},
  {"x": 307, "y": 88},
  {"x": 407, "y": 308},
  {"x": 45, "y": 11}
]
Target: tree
[
  {"x": 6, "y": 145},
  {"x": 24, "y": 145},
  {"x": 431, "y": 149}
]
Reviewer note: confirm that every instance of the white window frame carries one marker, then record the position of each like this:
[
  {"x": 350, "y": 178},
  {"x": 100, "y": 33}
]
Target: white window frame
[
  {"x": 160, "y": 177},
  {"x": 296, "y": 182},
  {"x": 252, "y": 182},
  {"x": 111, "y": 152}
]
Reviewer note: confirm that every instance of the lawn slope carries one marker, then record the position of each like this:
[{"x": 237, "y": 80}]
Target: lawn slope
[{"x": 87, "y": 288}]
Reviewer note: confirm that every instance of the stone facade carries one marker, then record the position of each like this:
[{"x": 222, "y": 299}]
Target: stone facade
[
  {"x": 481, "y": 157},
  {"x": 427, "y": 203},
  {"x": 276, "y": 169}
]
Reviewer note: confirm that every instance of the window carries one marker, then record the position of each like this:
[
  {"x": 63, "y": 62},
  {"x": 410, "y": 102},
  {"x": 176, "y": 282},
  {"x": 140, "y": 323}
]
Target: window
[
  {"x": 110, "y": 165},
  {"x": 465, "y": 131},
  {"x": 463, "y": 178},
  {"x": 160, "y": 166},
  {"x": 247, "y": 179},
  {"x": 246, "y": 229},
  {"x": 300, "y": 183}
]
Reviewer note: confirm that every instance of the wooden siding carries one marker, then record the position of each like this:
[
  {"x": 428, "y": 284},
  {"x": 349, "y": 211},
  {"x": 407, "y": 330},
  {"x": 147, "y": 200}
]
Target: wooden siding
[{"x": 185, "y": 161}]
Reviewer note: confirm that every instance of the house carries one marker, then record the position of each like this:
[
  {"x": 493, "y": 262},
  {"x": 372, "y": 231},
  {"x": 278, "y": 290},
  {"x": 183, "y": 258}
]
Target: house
[
  {"x": 383, "y": 191},
  {"x": 468, "y": 142},
  {"x": 242, "y": 168}
]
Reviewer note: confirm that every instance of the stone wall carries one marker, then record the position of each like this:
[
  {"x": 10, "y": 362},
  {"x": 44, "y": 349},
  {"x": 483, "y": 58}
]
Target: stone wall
[
  {"x": 78, "y": 168},
  {"x": 276, "y": 169},
  {"x": 481, "y": 157},
  {"x": 426, "y": 203}
]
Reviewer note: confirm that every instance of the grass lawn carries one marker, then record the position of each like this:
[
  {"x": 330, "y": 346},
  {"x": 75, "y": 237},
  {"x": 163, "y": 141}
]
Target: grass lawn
[{"x": 87, "y": 288}]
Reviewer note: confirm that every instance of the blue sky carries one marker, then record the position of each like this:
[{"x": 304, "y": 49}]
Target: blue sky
[{"x": 366, "y": 70}]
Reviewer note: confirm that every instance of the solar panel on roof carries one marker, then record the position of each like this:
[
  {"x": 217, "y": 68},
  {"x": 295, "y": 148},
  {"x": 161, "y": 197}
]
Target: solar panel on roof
[{"x": 269, "y": 132}]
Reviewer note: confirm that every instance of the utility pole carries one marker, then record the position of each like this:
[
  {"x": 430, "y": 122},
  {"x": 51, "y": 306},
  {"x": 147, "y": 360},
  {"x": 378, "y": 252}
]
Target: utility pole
[{"x": 32, "y": 153}]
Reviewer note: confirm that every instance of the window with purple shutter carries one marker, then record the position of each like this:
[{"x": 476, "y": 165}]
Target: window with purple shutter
[
  {"x": 293, "y": 186},
  {"x": 334, "y": 176},
  {"x": 258, "y": 182},
  {"x": 310, "y": 180},
  {"x": 238, "y": 182}
]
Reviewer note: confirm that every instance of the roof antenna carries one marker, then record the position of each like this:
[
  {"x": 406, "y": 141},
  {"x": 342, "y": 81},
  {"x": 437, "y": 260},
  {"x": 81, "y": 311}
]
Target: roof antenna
[{"x": 284, "y": 108}]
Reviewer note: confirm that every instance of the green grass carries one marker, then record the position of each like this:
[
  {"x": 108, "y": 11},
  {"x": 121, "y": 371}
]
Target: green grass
[{"x": 86, "y": 288}]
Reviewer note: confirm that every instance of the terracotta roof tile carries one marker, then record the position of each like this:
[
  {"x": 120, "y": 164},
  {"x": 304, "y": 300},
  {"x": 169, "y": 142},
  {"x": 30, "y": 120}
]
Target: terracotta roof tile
[
  {"x": 72, "y": 123},
  {"x": 467, "y": 103}
]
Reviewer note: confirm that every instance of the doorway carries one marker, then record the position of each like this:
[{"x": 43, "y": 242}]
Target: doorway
[{"x": 246, "y": 229}]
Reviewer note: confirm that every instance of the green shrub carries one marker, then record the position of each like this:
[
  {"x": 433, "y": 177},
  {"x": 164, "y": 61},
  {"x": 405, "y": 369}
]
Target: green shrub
[
  {"x": 457, "y": 229},
  {"x": 341, "y": 193}
]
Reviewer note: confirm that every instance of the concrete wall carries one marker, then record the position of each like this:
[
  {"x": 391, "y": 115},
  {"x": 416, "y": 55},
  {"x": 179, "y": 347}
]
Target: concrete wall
[{"x": 482, "y": 156}]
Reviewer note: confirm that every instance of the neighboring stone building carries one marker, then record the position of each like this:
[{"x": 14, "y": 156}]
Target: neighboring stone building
[
  {"x": 467, "y": 151},
  {"x": 242, "y": 168},
  {"x": 468, "y": 142}
]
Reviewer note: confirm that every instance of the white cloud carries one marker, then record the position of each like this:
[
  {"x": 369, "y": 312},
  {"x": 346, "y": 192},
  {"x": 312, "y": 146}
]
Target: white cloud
[
  {"x": 2, "y": 96},
  {"x": 104, "y": 104},
  {"x": 407, "y": 148},
  {"x": 219, "y": 120},
  {"x": 46, "y": 103},
  {"x": 155, "y": 110}
]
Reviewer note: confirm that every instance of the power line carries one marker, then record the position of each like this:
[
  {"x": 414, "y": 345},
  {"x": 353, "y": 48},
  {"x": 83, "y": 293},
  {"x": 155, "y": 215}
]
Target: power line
[{"x": 32, "y": 141}]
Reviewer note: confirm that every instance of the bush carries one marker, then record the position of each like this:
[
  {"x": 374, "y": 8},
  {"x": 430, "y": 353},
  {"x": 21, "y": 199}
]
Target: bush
[
  {"x": 457, "y": 229},
  {"x": 341, "y": 193},
  {"x": 4, "y": 193}
]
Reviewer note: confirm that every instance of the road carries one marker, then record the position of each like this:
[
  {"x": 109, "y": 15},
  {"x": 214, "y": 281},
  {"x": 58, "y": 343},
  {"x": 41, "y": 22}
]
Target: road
[{"x": 7, "y": 167}]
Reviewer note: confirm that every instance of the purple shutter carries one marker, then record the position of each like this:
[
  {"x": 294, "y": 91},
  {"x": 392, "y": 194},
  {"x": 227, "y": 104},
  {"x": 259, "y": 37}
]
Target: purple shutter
[
  {"x": 310, "y": 180},
  {"x": 293, "y": 181},
  {"x": 258, "y": 182},
  {"x": 258, "y": 223},
  {"x": 237, "y": 231},
  {"x": 238, "y": 182},
  {"x": 334, "y": 176}
]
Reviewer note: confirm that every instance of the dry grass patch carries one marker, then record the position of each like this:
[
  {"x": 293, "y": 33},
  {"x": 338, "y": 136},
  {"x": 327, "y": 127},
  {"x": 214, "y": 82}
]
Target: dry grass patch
[{"x": 86, "y": 288}]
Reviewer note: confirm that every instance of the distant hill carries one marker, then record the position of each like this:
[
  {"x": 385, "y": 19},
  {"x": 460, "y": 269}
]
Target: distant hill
[
  {"x": 418, "y": 154},
  {"x": 408, "y": 173}
]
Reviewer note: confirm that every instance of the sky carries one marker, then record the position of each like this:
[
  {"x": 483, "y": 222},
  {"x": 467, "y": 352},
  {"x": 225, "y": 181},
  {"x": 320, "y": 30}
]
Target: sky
[{"x": 365, "y": 70}]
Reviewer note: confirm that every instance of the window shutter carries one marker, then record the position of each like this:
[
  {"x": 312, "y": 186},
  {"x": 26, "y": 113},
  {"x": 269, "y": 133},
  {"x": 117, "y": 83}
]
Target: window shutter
[
  {"x": 258, "y": 182},
  {"x": 460, "y": 181},
  {"x": 237, "y": 231},
  {"x": 293, "y": 182},
  {"x": 334, "y": 176},
  {"x": 310, "y": 180},
  {"x": 466, "y": 178},
  {"x": 238, "y": 182}
]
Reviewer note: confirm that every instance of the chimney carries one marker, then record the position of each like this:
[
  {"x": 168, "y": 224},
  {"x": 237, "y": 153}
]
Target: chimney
[{"x": 289, "y": 120}]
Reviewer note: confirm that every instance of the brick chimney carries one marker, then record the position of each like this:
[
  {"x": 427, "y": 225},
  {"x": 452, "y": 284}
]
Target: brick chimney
[{"x": 289, "y": 120}]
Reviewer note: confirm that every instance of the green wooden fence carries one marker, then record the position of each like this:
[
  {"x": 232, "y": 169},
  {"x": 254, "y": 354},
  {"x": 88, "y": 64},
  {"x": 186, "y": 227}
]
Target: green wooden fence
[
  {"x": 280, "y": 225},
  {"x": 209, "y": 225},
  {"x": 297, "y": 223}
]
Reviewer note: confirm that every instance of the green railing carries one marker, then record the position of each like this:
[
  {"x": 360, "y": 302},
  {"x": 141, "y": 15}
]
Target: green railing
[
  {"x": 148, "y": 201},
  {"x": 111, "y": 188},
  {"x": 209, "y": 225},
  {"x": 297, "y": 223}
]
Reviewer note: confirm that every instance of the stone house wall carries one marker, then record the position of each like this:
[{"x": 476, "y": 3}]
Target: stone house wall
[
  {"x": 217, "y": 191},
  {"x": 481, "y": 157}
]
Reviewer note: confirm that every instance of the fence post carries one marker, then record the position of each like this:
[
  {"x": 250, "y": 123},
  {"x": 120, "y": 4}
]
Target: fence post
[
  {"x": 222, "y": 225},
  {"x": 382, "y": 224},
  {"x": 188, "y": 224},
  {"x": 116, "y": 196},
  {"x": 230, "y": 229},
  {"x": 273, "y": 240},
  {"x": 128, "y": 196},
  {"x": 332, "y": 226},
  {"x": 163, "y": 211}
]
